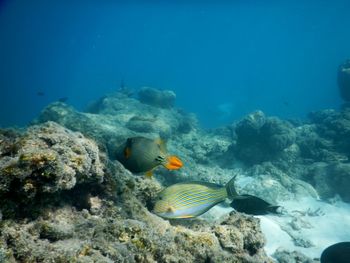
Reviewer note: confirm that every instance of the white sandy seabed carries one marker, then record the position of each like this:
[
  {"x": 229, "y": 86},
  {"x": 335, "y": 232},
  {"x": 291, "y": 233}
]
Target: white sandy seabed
[{"x": 313, "y": 224}]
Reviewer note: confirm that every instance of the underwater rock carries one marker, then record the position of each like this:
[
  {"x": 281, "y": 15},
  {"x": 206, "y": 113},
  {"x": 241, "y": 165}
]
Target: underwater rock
[
  {"x": 46, "y": 159},
  {"x": 124, "y": 230},
  {"x": 261, "y": 138},
  {"x": 268, "y": 182},
  {"x": 157, "y": 98},
  {"x": 344, "y": 80},
  {"x": 334, "y": 126},
  {"x": 284, "y": 256},
  {"x": 233, "y": 235},
  {"x": 275, "y": 154},
  {"x": 250, "y": 126},
  {"x": 140, "y": 124},
  {"x": 110, "y": 239},
  {"x": 204, "y": 148},
  {"x": 116, "y": 117},
  {"x": 278, "y": 133},
  {"x": 314, "y": 148},
  {"x": 330, "y": 179},
  {"x": 112, "y": 223}
]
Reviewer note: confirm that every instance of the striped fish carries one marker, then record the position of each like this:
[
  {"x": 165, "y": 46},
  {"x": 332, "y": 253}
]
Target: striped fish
[{"x": 191, "y": 199}]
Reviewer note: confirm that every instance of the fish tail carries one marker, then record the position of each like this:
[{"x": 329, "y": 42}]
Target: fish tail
[
  {"x": 231, "y": 188},
  {"x": 275, "y": 209}
]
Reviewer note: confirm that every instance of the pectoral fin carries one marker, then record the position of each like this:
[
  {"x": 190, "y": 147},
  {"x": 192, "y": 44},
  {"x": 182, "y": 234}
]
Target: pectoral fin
[
  {"x": 171, "y": 209},
  {"x": 149, "y": 174},
  {"x": 127, "y": 152}
]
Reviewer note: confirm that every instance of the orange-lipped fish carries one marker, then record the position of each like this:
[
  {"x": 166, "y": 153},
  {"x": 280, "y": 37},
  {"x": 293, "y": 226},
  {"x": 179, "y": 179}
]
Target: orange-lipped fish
[{"x": 143, "y": 155}]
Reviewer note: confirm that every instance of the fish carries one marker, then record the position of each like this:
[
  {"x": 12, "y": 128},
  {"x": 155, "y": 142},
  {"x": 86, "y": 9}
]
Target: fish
[
  {"x": 253, "y": 205},
  {"x": 143, "y": 155},
  {"x": 40, "y": 93},
  {"x": 336, "y": 253},
  {"x": 191, "y": 199}
]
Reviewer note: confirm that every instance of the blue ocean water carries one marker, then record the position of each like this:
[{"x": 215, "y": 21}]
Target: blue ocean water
[{"x": 223, "y": 60}]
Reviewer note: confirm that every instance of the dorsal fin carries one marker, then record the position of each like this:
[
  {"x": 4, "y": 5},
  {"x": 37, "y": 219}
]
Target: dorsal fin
[{"x": 127, "y": 152}]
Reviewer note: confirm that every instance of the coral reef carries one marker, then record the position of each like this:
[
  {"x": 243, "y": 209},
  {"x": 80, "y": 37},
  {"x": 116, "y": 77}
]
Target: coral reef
[
  {"x": 63, "y": 200},
  {"x": 62, "y": 189},
  {"x": 283, "y": 256},
  {"x": 261, "y": 138},
  {"x": 44, "y": 160},
  {"x": 122, "y": 229},
  {"x": 334, "y": 127},
  {"x": 272, "y": 184},
  {"x": 78, "y": 236},
  {"x": 330, "y": 179},
  {"x": 114, "y": 118},
  {"x": 256, "y": 141},
  {"x": 157, "y": 98}
]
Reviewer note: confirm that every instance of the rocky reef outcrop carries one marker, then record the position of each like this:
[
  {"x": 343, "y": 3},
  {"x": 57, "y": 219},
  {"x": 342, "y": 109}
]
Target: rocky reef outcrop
[
  {"x": 62, "y": 189},
  {"x": 261, "y": 138},
  {"x": 283, "y": 256},
  {"x": 157, "y": 98},
  {"x": 44, "y": 160},
  {"x": 334, "y": 127},
  {"x": 330, "y": 179},
  {"x": 112, "y": 119},
  {"x": 256, "y": 146},
  {"x": 108, "y": 236},
  {"x": 295, "y": 155},
  {"x": 90, "y": 209},
  {"x": 119, "y": 228}
]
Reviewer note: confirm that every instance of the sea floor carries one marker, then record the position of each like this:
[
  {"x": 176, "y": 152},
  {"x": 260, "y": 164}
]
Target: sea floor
[{"x": 308, "y": 226}]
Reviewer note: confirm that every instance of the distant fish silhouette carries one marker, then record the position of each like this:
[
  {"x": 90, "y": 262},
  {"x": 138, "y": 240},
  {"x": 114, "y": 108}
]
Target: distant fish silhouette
[
  {"x": 286, "y": 103},
  {"x": 40, "y": 93},
  {"x": 63, "y": 99}
]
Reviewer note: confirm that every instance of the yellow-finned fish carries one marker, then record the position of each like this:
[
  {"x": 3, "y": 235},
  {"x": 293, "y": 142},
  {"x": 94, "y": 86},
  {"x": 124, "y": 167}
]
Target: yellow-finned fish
[
  {"x": 191, "y": 199},
  {"x": 140, "y": 154}
]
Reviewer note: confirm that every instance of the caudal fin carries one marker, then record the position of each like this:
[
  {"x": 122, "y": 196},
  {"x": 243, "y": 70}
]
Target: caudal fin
[
  {"x": 275, "y": 209},
  {"x": 231, "y": 188}
]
